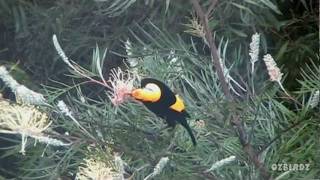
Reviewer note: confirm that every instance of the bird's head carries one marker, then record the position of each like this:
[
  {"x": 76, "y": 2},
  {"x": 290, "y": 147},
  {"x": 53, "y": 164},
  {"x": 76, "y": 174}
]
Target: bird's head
[{"x": 153, "y": 90}]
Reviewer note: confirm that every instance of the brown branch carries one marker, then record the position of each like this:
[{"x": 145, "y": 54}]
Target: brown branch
[
  {"x": 213, "y": 49},
  {"x": 243, "y": 137},
  {"x": 247, "y": 147}
]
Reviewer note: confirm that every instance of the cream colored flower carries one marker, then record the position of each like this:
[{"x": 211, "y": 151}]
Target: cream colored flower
[
  {"x": 254, "y": 50},
  {"x": 196, "y": 29},
  {"x": 200, "y": 124},
  {"x": 158, "y": 168},
  {"x": 314, "y": 99},
  {"x": 95, "y": 168},
  {"x": 64, "y": 108},
  {"x": 27, "y": 121},
  {"x": 119, "y": 165},
  {"x": 221, "y": 163},
  {"x": 22, "y": 93}
]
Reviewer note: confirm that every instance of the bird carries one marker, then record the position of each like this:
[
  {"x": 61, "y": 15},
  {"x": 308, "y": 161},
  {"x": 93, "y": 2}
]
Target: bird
[{"x": 164, "y": 103}]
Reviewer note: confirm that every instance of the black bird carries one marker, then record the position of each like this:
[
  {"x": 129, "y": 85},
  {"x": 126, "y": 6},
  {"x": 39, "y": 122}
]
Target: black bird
[{"x": 159, "y": 99}]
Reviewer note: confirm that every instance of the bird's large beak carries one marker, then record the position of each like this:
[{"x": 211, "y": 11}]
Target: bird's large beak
[
  {"x": 146, "y": 95},
  {"x": 137, "y": 93}
]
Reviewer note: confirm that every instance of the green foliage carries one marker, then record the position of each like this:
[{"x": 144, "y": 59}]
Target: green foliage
[
  {"x": 311, "y": 78},
  {"x": 164, "y": 51}
]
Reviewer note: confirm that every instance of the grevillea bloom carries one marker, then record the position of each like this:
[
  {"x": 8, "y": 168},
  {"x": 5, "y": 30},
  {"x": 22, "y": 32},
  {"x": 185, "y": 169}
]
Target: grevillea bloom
[
  {"x": 122, "y": 84},
  {"x": 254, "y": 49},
  {"x": 27, "y": 121},
  {"x": 22, "y": 93},
  {"x": 97, "y": 168},
  {"x": 221, "y": 163},
  {"x": 273, "y": 70},
  {"x": 158, "y": 168}
]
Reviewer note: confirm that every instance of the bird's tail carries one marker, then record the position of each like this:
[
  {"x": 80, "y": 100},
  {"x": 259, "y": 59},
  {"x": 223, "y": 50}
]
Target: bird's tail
[{"x": 189, "y": 130}]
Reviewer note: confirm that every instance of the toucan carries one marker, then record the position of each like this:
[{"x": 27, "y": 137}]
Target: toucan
[{"x": 159, "y": 99}]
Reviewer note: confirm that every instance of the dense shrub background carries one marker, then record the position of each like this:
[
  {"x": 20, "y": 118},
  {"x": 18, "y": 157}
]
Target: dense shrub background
[{"x": 289, "y": 31}]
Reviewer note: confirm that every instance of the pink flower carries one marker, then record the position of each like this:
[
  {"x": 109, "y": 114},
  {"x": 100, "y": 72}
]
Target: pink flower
[
  {"x": 121, "y": 85},
  {"x": 273, "y": 70}
]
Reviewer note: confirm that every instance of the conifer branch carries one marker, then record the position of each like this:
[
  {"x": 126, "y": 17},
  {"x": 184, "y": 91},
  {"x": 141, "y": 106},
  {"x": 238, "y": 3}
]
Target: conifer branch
[
  {"x": 243, "y": 137},
  {"x": 213, "y": 49}
]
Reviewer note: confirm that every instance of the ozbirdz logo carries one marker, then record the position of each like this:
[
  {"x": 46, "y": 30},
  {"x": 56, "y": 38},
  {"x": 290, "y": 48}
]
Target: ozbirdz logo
[{"x": 290, "y": 167}]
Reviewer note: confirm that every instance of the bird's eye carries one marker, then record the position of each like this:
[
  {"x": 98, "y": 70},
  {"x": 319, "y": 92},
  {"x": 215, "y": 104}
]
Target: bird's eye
[{"x": 152, "y": 87}]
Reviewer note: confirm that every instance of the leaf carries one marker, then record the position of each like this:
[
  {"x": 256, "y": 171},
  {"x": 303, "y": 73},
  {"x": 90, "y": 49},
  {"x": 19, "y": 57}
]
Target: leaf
[
  {"x": 238, "y": 32},
  {"x": 270, "y": 5},
  {"x": 304, "y": 4},
  {"x": 266, "y": 3},
  {"x": 242, "y": 7},
  {"x": 167, "y": 6},
  {"x": 282, "y": 50},
  {"x": 213, "y": 24}
]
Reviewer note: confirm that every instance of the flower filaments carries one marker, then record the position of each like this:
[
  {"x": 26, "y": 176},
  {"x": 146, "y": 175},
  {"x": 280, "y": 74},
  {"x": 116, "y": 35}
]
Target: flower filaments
[
  {"x": 95, "y": 169},
  {"x": 27, "y": 121},
  {"x": 101, "y": 168},
  {"x": 196, "y": 29},
  {"x": 122, "y": 84}
]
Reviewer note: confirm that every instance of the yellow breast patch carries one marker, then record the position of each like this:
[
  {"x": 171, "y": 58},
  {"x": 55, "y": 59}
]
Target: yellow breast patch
[{"x": 178, "y": 105}]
